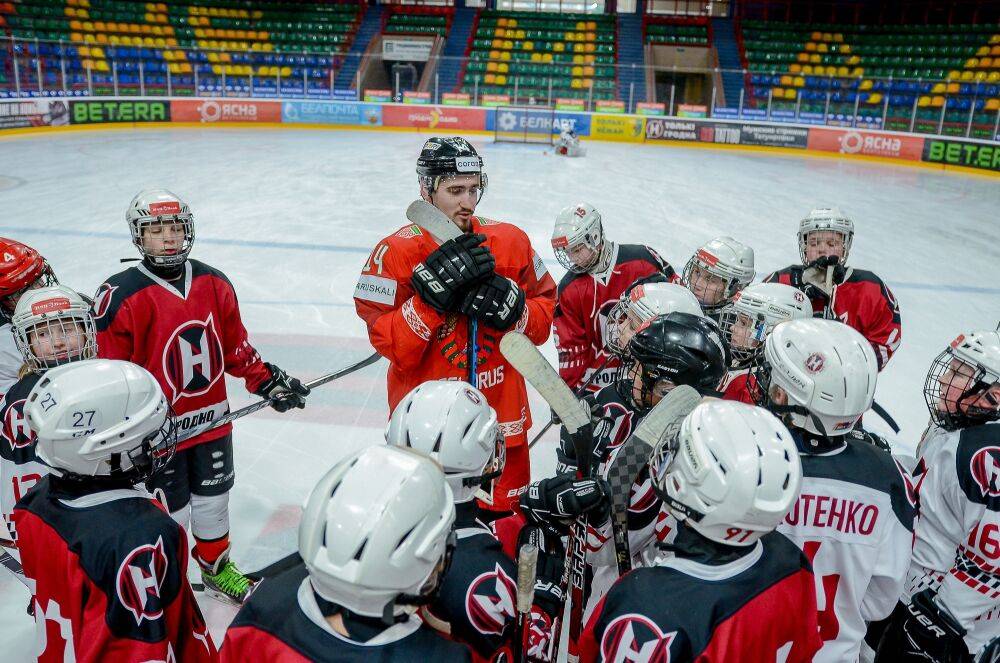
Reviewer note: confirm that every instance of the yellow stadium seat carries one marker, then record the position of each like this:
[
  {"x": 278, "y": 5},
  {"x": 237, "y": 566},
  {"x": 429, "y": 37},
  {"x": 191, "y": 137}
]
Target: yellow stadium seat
[
  {"x": 993, "y": 77},
  {"x": 937, "y": 102},
  {"x": 923, "y": 102},
  {"x": 806, "y": 69},
  {"x": 827, "y": 36},
  {"x": 503, "y": 68},
  {"x": 148, "y": 41},
  {"x": 491, "y": 66},
  {"x": 986, "y": 63},
  {"x": 791, "y": 94},
  {"x": 952, "y": 88},
  {"x": 501, "y": 79},
  {"x": 102, "y": 65},
  {"x": 865, "y": 86},
  {"x": 786, "y": 80},
  {"x": 875, "y": 98},
  {"x": 559, "y": 47},
  {"x": 494, "y": 55},
  {"x": 577, "y": 71},
  {"x": 815, "y": 58},
  {"x": 589, "y": 59},
  {"x": 519, "y": 34},
  {"x": 508, "y": 44},
  {"x": 213, "y": 56},
  {"x": 588, "y": 71},
  {"x": 843, "y": 72},
  {"x": 822, "y": 48},
  {"x": 505, "y": 56},
  {"x": 857, "y": 72},
  {"x": 939, "y": 88},
  {"x": 839, "y": 38},
  {"x": 802, "y": 57},
  {"x": 217, "y": 69},
  {"x": 777, "y": 93},
  {"x": 528, "y": 46},
  {"x": 286, "y": 71},
  {"x": 799, "y": 81},
  {"x": 536, "y": 57},
  {"x": 954, "y": 75},
  {"x": 591, "y": 25},
  {"x": 547, "y": 57},
  {"x": 982, "y": 50},
  {"x": 590, "y": 36},
  {"x": 967, "y": 76},
  {"x": 810, "y": 46},
  {"x": 225, "y": 57},
  {"x": 160, "y": 42},
  {"x": 971, "y": 63},
  {"x": 980, "y": 76},
  {"x": 795, "y": 68},
  {"x": 76, "y": 37},
  {"x": 581, "y": 25},
  {"x": 992, "y": 104},
  {"x": 501, "y": 21},
  {"x": 816, "y": 36},
  {"x": 579, "y": 48},
  {"x": 87, "y": 64},
  {"x": 512, "y": 23},
  {"x": 576, "y": 84},
  {"x": 995, "y": 50}
]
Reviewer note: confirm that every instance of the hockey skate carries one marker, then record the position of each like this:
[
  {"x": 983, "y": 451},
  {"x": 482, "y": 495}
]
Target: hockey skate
[{"x": 224, "y": 581}]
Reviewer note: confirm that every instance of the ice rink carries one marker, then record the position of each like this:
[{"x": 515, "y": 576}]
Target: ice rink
[{"x": 290, "y": 217}]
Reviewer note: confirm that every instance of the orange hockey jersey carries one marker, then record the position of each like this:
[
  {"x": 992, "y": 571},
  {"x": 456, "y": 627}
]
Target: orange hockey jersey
[{"x": 422, "y": 344}]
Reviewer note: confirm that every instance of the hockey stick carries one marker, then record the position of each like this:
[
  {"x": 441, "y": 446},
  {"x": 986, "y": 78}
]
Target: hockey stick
[
  {"x": 439, "y": 226},
  {"x": 318, "y": 382},
  {"x": 634, "y": 454},
  {"x": 527, "y": 563},
  {"x": 526, "y": 358},
  {"x": 580, "y": 391}
]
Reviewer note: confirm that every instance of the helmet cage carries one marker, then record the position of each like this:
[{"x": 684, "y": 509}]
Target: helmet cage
[
  {"x": 138, "y": 225},
  {"x": 79, "y": 323},
  {"x": 593, "y": 239},
  {"x": 835, "y": 222},
  {"x": 485, "y": 482},
  {"x": 758, "y": 329},
  {"x": 961, "y": 412},
  {"x": 731, "y": 282}
]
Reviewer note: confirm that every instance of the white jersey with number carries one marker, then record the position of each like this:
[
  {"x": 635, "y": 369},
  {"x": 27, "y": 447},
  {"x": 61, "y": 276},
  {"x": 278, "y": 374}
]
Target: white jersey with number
[
  {"x": 10, "y": 359},
  {"x": 854, "y": 521},
  {"x": 956, "y": 547}
]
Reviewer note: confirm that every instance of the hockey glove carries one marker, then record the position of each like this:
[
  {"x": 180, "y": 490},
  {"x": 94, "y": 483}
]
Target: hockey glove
[
  {"x": 596, "y": 437},
  {"x": 284, "y": 391},
  {"x": 862, "y": 435},
  {"x": 809, "y": 289},
  {"x": 453, "y": 266},
  {"x": 497, "y": 303},
  {"x": 554, "y": 503},
  {"x": 931, "y": 632}
]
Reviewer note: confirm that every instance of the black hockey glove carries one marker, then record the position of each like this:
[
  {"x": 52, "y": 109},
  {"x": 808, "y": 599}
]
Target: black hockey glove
[
  {"x": 931, "y": 633},
  {"x": 284, "y": 391},
  {"x": 595, "y": 437},
  {"x": 811, "y": 291},
  {"x": 862, "y": 435},
  {"x": 450, "y": 268},
  {"x": 498, "y": 303},
  {"x": 549, "y": 570},
  {"x": 556, "y": 502}
]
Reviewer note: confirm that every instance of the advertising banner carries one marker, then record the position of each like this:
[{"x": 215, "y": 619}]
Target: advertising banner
[
  {"x": 416, "y": 49},
  {"x": 766, "y": 136},
  {"x": 434, "y": 117},
  {"x": 868, "y": 143},
  {"x": 609, "y": 106},
  {"x": 41, "y": 113},
  {"x": 692, "y": 110},
  {"x": 537, "y": 120},
  {"x": 570, "y": 104},
  {"x": 94, "y": 112},
  {"x": 378, "y": 95},
  {"x": 331, "y": 112},
  {"x": 662, "y": 129},
  {"x": 224, "y": 110},
  {"x": 456, "y": 99},
  {"x": 495, "y": 100},
  {"x": 962, "y": 153},
  {"x": 613, "y": 127},
  {"x": 416, "y": 97}
]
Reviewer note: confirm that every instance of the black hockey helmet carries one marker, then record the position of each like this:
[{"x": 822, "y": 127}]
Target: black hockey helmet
[
  {"x": 679, "y": 347},
  {"x": 448, "y": 157}
]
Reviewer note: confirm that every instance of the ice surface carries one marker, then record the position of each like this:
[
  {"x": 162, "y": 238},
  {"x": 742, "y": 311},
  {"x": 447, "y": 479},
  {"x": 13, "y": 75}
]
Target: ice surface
[{"x": 290, "y": 216}]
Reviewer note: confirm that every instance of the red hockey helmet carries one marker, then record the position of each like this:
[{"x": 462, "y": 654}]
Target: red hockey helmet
[{"x": 21, "y": 267}]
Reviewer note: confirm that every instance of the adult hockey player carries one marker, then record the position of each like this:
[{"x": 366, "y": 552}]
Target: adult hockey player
[
  {"x": 856, "y": 297},
  {"x": 598, "y": 272},
  {"x": 950, "y": 606},
  {"x": 854, "y": 517},
  {"x": 376, "y": 536},
  {"x": 179, "y": 319},
  {"x": 21, "y": 269},
  {"x": 451, "y": 422},
  {"x": 109, "y": 566},
  {"x": 728, "y": 473},
  {"x": 746, "y": 323},
  {"x": 51, "y": 326},
  {"x": 717, "y": 271},
  {"x": 417, "y": 298}
]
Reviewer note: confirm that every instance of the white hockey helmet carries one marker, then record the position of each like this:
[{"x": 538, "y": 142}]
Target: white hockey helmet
[
  {"x": 59, "y": 320},
  {"x": 725, "y": 258},
  {"x": 829, "y": 219},
  {"x": 754, "y": 312},
  {"x": 730, "y": 470},
  {"x": 827, "y": 370},
  {"x": 376, "y": 531},
  {"x": 641, "y": 304},
  {"x": 961, "y": 388},
  {"x": 101, "y": 418},
  {"x": 580, "y": 225},
  {"x": 451, "y": 422},
  {"x": 159, "y": 206}
]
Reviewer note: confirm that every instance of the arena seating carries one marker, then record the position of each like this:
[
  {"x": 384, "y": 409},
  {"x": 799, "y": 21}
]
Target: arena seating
[
  {"x": 116, "y": 39},
  {"x": 676, "y": 31},
  {"x": 887, "y": 68},
  {"x": 576, "y": 52},
  {"x": 419, "y": 20}
]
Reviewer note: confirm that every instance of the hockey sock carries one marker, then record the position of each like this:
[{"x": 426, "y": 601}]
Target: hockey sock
[
  {"x": 209, "y": 516},
  {"x": 210, "y": 550}
]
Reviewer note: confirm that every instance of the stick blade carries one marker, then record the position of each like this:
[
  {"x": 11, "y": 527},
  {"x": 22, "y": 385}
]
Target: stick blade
[
  {"x": 529, "y": 362},
  {"x": 675, "y": 406},
  {"x": 432, "y": 220}
]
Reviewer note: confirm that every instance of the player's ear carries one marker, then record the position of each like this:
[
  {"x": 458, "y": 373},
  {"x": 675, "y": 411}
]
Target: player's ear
[{"x": 425, "y": 194}]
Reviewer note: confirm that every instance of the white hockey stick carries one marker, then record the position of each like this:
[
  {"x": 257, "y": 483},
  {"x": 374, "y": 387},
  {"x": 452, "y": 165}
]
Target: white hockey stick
[
  {"x": 526, "y": 358},
  {"x": 432, "y": 220},
  {"x": 527, "y": 563}
]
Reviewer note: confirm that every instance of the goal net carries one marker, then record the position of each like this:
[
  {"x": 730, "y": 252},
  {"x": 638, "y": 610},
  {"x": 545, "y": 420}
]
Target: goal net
[{"x": 524, "y": 124}]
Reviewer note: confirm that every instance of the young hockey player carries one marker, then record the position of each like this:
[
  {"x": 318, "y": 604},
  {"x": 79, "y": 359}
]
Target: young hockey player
[
  {"x": 733, "y": 589},
  {"x": 418, "y": 299},
  {"x": 745, "y": 324},
  {"x": 599, "y": 272},
  {"x": 568, "y": 144},
  {"x": 640, "y": 304},
  {"x": 109, "y": 566},
  {"x": 451, "y": 422},
  {"x": 856, "y": 297},
  {"x": 854, "y": 518},
  {"x": 717, "y": 271},
  {"x": 950, "y": 606},
  {"x": 179, "y": 319},
  {"x": 52, "y": 325},
  {"x": 376, "y": 537},
  {"x": 21, "y": 269}
]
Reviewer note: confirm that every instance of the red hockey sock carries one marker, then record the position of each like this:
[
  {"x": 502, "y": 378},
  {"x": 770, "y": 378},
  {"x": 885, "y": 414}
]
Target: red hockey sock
[{"x": 210, "y": 550}]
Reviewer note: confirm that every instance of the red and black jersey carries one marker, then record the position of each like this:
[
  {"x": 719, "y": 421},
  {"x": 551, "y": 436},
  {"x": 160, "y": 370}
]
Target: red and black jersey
[
  {"x": 110, "y": 572},
  {"x": 739, "y": 386},
  {"x": 861, "y": 301},
  {"x": 759, "y": 608},
  {"x": 188, "y": 333},
  {"x": 478, "y": 596},
  {"x": 580, "y": 321},
  {"x": 20, "y": 468},
  {"x": 281, "y": 622}
]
